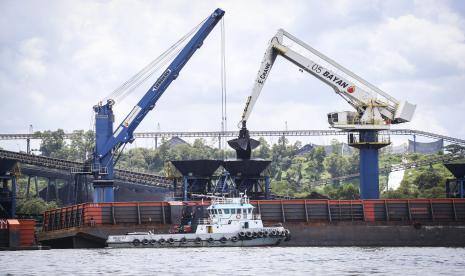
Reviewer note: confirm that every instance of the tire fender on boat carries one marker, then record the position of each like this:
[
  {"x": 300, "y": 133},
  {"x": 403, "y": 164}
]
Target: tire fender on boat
[
  {"x": 145, "y": 241},
  {"x": 223, "y": 240},
  {"x": 136, "y": 242},
  {"x": 210, "y": 240},
  {"x": 161, "y": 241},
  {"x": 248, "y": 234},
  {"x": 198, "y": 240},
  {"x": 152, "y": 242},
  {"x": 171, "y": 240},
  {"x": 234, "y": 239},
  {"x": 183, "y": 240}
]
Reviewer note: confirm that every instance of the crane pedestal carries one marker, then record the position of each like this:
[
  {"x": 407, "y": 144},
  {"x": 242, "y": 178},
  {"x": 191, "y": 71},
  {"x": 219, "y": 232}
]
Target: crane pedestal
[
  {"x": 103, "y": 191},
  {"x": 368, "y": 142}
]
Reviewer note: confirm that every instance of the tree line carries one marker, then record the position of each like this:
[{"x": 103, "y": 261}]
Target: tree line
[{"x": 292, "y": 170}]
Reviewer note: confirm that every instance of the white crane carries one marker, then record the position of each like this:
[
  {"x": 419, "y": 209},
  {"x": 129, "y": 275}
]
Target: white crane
[{"x": 374, "y": 108}]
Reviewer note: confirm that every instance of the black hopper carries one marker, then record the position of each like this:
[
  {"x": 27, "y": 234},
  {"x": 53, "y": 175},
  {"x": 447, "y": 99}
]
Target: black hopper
[
  {"x": 197, "y": 176},
  {"x": 249, "y": 176},
  {"x": 456, "y": 187}
]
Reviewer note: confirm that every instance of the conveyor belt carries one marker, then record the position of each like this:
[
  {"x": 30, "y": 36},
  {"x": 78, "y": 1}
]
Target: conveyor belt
[{"x": 66, "y": 165}]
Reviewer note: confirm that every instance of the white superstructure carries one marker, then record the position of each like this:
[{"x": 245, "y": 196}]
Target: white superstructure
[{"x": 227, "y": 215}]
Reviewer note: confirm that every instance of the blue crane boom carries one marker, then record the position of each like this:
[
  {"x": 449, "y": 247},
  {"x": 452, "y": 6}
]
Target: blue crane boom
[{"x": 108, "y": 143}]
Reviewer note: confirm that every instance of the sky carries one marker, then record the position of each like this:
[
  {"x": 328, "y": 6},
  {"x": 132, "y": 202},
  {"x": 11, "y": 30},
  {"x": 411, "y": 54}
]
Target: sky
[{"x": 60, "y": 58}]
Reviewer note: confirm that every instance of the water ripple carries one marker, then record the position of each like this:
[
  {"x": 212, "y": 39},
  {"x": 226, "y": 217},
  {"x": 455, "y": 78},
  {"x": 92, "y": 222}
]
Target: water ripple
[{"x": 237, "y": 261}]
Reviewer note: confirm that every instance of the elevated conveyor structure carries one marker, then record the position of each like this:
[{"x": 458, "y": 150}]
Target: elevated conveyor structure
[
  {"x": 259, "y": 133},
  {"x": 66, "y": 165}
]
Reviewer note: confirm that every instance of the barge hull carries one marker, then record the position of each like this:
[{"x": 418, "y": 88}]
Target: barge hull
[{"x": 409, "y": 222}]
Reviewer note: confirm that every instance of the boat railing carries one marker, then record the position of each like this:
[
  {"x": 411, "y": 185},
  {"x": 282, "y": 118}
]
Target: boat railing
[
  {"x": 204, "y": 221},
  {"x": 227, "y": 200}
]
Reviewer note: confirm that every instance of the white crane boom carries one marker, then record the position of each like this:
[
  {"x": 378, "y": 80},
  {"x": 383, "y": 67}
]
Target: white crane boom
[{"x": 375, "y": 109}]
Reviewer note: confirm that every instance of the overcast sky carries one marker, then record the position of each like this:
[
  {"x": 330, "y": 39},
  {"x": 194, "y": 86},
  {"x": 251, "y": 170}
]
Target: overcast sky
[{"x": 59, "y": 58}]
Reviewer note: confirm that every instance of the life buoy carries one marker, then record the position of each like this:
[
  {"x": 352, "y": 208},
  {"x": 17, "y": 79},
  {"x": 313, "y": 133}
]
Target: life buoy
[
  {"x": 136, "y": 242},
  {"x": 145, "y": 241},
  {"x": 171, "y": 240},
  {"x": 152, "y": 242},
  {"x": 223, "y": 240},
  {"x": 234, "y": 239},
  {"x": 238, "y": 216},
  {"x": 183, "y": 240},
  {"x": 198, "y": 240}
]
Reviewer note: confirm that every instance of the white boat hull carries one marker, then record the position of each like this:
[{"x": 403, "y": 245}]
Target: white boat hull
[{"x": 194, "y": 240}]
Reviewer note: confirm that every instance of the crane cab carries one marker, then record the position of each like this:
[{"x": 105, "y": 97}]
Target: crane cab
[{"x": 343, "y": 118}]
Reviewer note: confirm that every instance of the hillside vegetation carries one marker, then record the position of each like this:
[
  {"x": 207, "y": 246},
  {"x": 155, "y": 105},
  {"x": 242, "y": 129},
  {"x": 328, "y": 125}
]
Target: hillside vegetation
[{"x": 292, "y": 174}]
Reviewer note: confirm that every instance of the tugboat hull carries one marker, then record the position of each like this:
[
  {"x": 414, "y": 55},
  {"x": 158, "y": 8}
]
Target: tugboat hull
[{"x": 197, "y": 240}]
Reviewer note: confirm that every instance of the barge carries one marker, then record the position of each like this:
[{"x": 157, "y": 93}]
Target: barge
[{"x": 390, "y": 222}]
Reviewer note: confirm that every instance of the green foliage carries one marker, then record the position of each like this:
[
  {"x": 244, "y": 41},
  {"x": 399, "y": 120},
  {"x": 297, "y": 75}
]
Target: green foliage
[
  {"x": 292, "y": 175},
  {"x": 34, "y": 206},
  {"x": 52, "y": 143},
  {"x": 428, "y": 179},
  {"x": 79, "y": 149},
  {"x": 347, "y": 191},
  {"x": 263, "y": 151}
]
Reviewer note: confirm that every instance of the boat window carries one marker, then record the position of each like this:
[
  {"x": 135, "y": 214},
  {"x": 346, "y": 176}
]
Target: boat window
[
  {"x": 250, "y": 210},
  {"x": 238, "y": 211},
  {"x": 216, "y": 212},
  {"x": 220, "y": 211},
  {"x": 226, "y": 211},
  {"x": 233, "y": 211}
]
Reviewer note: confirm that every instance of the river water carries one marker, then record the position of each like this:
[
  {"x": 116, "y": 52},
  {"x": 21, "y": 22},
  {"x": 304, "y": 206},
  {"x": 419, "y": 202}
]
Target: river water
[{"x": 270, "y": 261}]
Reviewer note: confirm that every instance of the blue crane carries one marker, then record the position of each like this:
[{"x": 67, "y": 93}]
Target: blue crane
[{"x": 108, "y": 143}]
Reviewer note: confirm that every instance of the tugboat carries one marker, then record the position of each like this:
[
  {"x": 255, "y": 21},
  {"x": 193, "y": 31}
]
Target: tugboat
[{"x": 230, "y": 222}]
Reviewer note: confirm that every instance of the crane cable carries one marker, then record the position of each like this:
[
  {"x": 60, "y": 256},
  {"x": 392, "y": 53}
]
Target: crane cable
[
  {"x": 224, "y": 126},
  {"x": 145, "y": 73}
]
